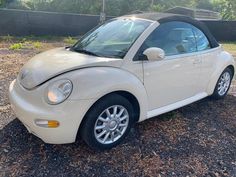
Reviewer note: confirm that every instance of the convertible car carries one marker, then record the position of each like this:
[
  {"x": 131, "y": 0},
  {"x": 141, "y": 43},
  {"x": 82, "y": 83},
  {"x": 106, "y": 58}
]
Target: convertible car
[{"x": 124, "y": 71}]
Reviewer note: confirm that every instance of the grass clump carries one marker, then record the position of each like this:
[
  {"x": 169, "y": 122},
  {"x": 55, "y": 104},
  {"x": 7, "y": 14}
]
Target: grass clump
[
  {"x": 230, "y": 47},
  {"x": 69, "y": 40},
  {"x": 16, "y": 46},
  {"x": 37, "y": 45},
  {"x": 25, "y": 44},
  {"x": 7, "y": 38}
]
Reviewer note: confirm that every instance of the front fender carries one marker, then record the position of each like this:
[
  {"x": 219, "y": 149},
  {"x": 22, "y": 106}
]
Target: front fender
[
  {"x": 96, "y": 82},
  {"x": 223, "y": 61}
]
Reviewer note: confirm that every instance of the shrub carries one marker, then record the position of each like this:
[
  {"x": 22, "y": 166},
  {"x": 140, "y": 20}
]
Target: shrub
[
  {"x": 70, "y": 41},
  {"x": 37, "y": 45},
  {"x": 16, "y": 46}
]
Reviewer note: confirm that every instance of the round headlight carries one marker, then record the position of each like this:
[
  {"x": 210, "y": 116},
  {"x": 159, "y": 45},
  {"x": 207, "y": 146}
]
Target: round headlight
[{"x": 59, "y": 91}]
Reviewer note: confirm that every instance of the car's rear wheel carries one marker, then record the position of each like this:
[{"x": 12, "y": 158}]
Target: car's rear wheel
[
  {"x": 223, "y": 84},
  {"x": 108, "y": 122}
]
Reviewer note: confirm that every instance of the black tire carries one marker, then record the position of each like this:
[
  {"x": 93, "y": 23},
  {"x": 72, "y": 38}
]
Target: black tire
[
  {"x": 88, "y": 124},
  {"x": 216, "y": 94}
]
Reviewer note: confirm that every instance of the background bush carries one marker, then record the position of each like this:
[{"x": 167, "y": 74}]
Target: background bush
[{"x": 227, "y": 8}]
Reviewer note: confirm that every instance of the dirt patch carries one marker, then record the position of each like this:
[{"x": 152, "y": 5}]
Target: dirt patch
[
  {"x": 196, "y": 140},
  {"x": 201, "y": 142},
  {"x": 10, "y": 63}
]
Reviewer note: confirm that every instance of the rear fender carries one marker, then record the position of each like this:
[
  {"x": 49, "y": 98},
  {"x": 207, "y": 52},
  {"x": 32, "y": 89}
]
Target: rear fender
[{"x": 223, "y": 61}]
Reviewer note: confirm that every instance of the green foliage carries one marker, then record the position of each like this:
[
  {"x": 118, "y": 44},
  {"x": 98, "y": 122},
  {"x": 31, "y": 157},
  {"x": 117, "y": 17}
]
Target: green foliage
[
  {"x": 2, "y": 3},
  {"x": 25, "y": 43},
  {"x": 120, "y": 7},
  {"x": 227, "y": 8},
  {"x": 16, "y": 46},
  {"x": 37, "y": 44},
  {"x": 69, "y": 40},
  {"x": 205, "y": 4},
  {"x": 7, "y": 38},
  {"x": 158, "y": 7}
]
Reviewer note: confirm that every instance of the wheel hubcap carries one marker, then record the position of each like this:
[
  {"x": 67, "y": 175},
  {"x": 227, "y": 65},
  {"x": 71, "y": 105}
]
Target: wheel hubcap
[
  {"x": 111, "y": 124},
  {"x": 224, "y": 84}
]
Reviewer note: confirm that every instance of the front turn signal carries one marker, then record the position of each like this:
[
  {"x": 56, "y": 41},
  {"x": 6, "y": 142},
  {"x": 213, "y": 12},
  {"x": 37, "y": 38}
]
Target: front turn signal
[{"x": 47, "y": 123}]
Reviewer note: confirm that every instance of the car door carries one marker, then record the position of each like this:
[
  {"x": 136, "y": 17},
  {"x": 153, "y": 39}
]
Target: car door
[
  {"x": 207, "y": 54},
  {"x": 176, "y": 77}
]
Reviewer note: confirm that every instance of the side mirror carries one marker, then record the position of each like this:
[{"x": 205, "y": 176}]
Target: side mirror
[{"x": 154, "y": 54}]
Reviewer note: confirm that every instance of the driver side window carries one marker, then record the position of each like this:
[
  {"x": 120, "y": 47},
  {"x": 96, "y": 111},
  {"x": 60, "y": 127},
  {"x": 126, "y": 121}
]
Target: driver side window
[{"x": 173, "y": 37}]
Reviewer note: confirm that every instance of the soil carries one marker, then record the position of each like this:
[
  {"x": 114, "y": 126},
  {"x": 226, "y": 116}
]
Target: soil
[{"x": 196, "y": 140}]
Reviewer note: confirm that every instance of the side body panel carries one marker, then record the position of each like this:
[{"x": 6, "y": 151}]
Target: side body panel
[
  {"x": 221, "y": 61},
  {"x": 208, "y": 66},
  {"x": 171, "y": 80},
  {"x": 96, "y": 82}
]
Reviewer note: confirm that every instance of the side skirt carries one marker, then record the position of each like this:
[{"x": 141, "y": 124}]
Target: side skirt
[{"x": 176, "y": 105}]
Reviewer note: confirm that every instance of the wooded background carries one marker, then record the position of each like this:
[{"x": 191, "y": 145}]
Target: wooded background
[
  {"x": 227, "y": 8},
  {"x": 26, "y": 22}
]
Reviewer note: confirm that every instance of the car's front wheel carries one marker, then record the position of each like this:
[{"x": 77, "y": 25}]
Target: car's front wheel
[
  {"x": 107, "y": 122},
  {"x": 223, "y": 84}
]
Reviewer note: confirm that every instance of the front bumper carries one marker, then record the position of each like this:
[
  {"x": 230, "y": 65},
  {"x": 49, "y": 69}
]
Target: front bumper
[{"x": 30, "y": 106}]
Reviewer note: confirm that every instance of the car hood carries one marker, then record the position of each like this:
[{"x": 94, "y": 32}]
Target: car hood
[{"x": 49, "y": 64}]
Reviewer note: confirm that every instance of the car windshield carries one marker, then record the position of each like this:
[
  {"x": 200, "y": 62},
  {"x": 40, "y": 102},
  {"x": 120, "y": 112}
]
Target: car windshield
[{"x": 112, "y": 39}]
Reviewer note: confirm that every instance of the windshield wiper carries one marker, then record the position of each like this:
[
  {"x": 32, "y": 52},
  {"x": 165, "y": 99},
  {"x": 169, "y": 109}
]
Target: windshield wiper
[{"x": 85, "y": 52}]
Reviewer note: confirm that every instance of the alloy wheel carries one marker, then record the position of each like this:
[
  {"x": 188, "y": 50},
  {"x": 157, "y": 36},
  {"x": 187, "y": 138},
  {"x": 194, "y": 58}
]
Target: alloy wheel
[{"x": 111, "y": 124}]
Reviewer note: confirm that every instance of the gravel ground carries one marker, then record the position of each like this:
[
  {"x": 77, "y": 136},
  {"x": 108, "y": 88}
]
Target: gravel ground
[{"x": 196, "y": 140}]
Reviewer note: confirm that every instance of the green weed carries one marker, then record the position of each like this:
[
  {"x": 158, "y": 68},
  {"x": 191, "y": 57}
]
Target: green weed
[
  {"x": 37, "y": 44},
  {"x": 7, "y": 38},
  {"x": 16, "y": 46},
  {"x": 69, "y": 40}
]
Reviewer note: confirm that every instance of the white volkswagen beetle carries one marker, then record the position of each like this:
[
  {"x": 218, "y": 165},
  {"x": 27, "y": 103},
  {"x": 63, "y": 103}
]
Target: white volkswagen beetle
[{"x": 126, "y": 70}]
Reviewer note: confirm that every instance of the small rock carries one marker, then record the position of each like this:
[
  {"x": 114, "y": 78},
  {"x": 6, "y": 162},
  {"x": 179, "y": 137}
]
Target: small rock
[
  {"x": 5, "y": 150},
  {"x": 217, "y": 174}
]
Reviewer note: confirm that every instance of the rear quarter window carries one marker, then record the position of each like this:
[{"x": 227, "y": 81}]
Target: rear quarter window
[{"x": 201, "y": 40}]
